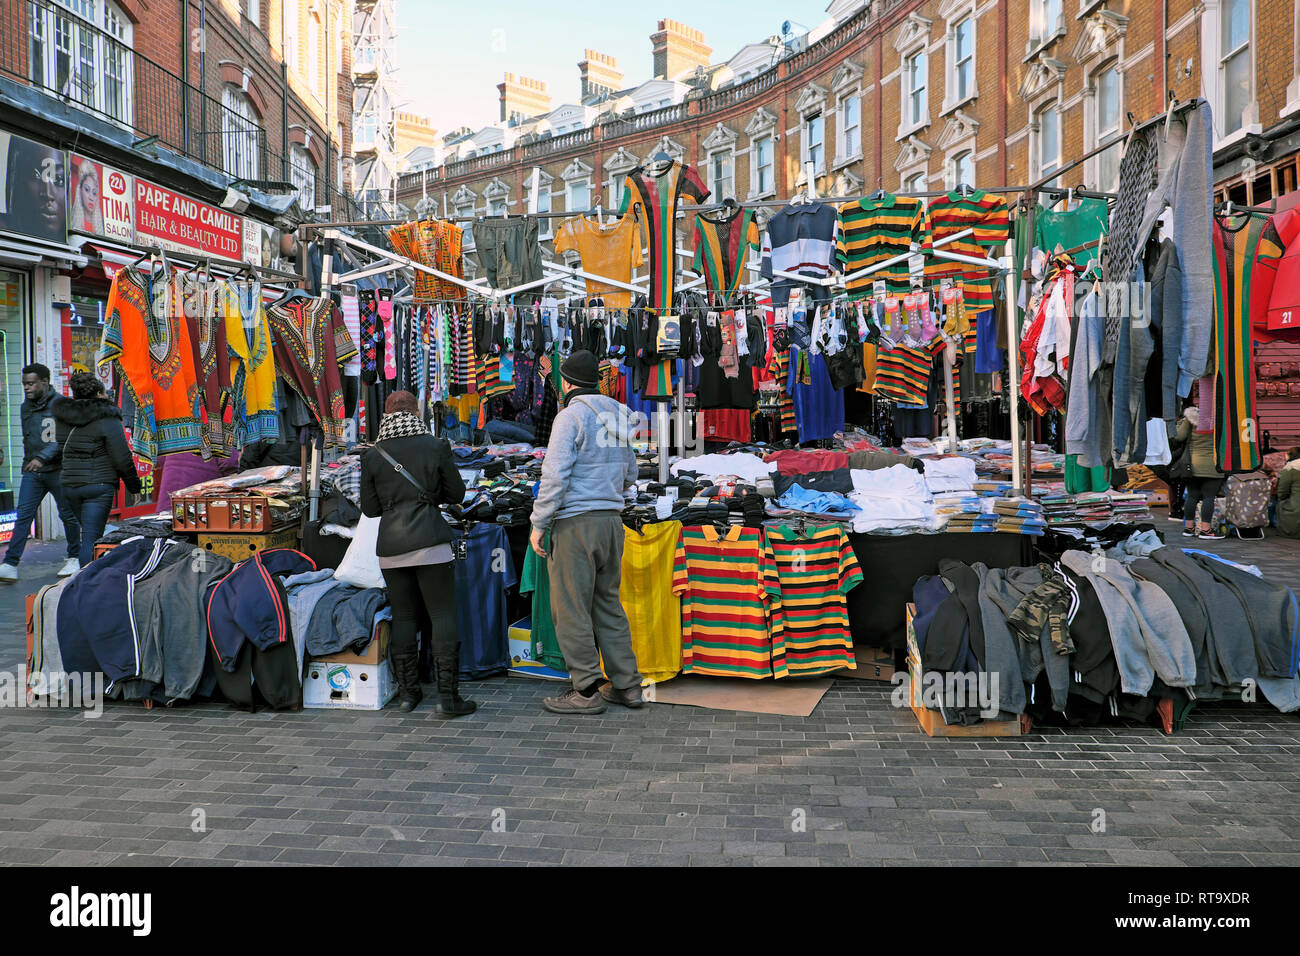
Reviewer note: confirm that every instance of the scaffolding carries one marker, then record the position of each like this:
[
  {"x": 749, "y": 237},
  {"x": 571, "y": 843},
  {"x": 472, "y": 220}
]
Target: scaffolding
[{"x": 374, "y": 113}]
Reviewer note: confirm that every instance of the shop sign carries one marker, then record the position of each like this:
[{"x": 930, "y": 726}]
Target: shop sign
[
  {"x": 101, "y": 201},
  {"x": 7, "y": 521},
  {"x": 180, "y": 224},
  {"x": 35, "y": 197}
]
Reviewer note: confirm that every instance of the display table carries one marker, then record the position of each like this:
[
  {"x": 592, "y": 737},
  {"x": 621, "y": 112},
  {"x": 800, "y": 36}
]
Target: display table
[{"x": 891, "y": 565}]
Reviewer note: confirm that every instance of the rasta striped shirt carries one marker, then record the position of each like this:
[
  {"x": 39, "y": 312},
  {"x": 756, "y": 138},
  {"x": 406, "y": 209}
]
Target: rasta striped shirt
[
  {"x": 658, "y": 196},
  {"x": 807, "y": 580},
  {"x": 903, "y": 373},
  {"x": 872, "y": 231},
  {"x": 1246, "y": 255},
  {"x": 987, "y": 215},
  {"x": 722, "y": 247},
  {"x": 722, "y": 581}
]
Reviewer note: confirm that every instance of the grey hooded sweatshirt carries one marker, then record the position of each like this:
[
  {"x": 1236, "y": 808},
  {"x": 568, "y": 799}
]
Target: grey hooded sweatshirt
[
  {"x": 1145, "y": 629},
  {"x": 589, "y": 460}
]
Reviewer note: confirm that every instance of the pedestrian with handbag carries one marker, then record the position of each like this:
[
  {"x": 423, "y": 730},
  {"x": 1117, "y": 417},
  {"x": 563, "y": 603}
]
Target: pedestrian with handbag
[
  {"x": 1196, "y": 467},
  {"x": 405, "y": 476}
]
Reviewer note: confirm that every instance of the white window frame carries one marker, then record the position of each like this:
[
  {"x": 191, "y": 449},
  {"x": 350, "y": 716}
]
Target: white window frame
[
  {"x": 1037, "y": 140},
  {"x": 240, "y": 132},
  {"x": 81, "y": 65},
  {"x": 1095, "y": 134},
  {"x": 806, "y": 142},
  {"x": 302, "y": 173},
  {"x": 954, "y": 96},
  {"x": 722, "y": 187},
  {"x": 1046, "y": 23},
  {"x": 907, "y": 181},
  {"x": 1223, "y": 56},
  {"x": 289, "y": 39},
  {"x": 569, "y": 185},
  {"x": 917, "y": 118},
  {"x": 757, "y": 190},
  {"x": 953, "y": 175},
  {"x": 253, "y": 10},
  {"x": 844, "y": 154},
  {"x": 466, "y": 209},
  {"x": 761, "y": 126}
]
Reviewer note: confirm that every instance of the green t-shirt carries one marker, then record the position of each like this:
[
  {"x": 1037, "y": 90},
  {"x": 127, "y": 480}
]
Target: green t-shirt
[
  {"x": 537, "y": 580},
  {"x": 1086, "y": 222}
]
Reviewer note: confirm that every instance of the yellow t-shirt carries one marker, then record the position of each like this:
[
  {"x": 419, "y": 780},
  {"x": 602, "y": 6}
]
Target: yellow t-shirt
[
  {"x": 653, "y": 611},
  {"x": 609, "y": 251}
]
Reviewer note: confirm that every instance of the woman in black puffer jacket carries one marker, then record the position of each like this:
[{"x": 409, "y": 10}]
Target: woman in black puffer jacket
[
  {"x": 95, "y": 457},
  {"x": 414, "y": 547}
]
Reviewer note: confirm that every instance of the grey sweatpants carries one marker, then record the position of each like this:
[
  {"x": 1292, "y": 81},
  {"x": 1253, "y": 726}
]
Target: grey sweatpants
[{"x": 586, "y": 566}]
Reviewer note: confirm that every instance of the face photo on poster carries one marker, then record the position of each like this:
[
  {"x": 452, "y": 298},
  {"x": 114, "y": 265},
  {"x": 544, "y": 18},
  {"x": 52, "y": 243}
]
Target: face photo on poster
[
  {"x": 35, "y": 198},
  {"x": 100, "y": 200}
]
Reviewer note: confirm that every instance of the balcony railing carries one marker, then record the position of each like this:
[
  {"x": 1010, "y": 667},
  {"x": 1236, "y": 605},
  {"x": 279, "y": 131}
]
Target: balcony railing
[
  {"x": 644, "y": 121},
  {"x": 555, "y": 144},
  {"x": 46, "y": 46},
  {"x": 738, "y": 93}
]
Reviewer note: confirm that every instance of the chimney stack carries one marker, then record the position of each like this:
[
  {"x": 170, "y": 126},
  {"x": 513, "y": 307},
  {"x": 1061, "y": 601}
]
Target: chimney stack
[
  {"x": 522, "y": 97},
  {"x": 599, "y": 75},
  {"x": 678, "y": 49}
]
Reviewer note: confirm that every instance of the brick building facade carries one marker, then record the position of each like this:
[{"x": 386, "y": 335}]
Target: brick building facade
[{"x": 923, "y": 94}]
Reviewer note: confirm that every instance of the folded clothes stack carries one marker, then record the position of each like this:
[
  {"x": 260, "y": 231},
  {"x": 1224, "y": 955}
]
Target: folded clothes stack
[
  {"x": 968, "y": 521},
  {"x": 954, "y": 502}
]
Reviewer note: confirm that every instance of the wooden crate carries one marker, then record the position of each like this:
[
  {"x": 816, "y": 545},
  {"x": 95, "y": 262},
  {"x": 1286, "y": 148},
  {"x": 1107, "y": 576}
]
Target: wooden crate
[
  {"x": 932, "y": 721},
  {"x": 244, "y": 514},
  {"x": 237, "y": 547}
]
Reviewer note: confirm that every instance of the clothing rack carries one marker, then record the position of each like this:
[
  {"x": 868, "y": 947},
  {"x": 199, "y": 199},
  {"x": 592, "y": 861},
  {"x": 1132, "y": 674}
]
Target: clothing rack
[{"x": 209, "y": 263}]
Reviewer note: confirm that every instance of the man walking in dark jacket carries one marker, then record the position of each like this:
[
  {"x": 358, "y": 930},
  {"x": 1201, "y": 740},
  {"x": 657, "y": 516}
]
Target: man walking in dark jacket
[
  {"x": 589, "y": 462},
  {"x": 41, "y": 473}
]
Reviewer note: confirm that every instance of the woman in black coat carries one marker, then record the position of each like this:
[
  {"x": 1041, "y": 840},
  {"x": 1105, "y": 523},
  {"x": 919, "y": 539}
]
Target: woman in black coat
[
  {"x": 95, "y": 457},
  {"x": 414, "y": 546}
]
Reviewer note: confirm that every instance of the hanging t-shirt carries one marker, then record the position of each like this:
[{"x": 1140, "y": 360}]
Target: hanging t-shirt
[
  {"x": 809, "y": 577},
  {"x": 484, "y": 569},
  {"x": 722, "y": 249},
  {"x": 658, "y": 192},
  {"x": 818, "y": 407},
  {"x": 903, "y": 373},
  {"x": 1246, "y": 253},
  {"x": 653, "y": 609},
  {"x": 609, "y": 251},
  {"x": 987, "y": 215},
  {"x": 721, "y": 580},
  {"x": 1087, "y": 222},
  {"x": 873, "y": 230},
  {"x": 536, "y": 581}
]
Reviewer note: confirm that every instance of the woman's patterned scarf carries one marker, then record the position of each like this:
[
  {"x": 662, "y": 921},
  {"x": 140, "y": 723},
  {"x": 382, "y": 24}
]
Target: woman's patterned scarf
[{"x": 401, "y": 425}]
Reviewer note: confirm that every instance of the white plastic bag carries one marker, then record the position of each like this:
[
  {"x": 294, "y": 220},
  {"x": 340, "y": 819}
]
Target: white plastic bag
[
  {"x": 1157, "y": 443},
  {"x": 360, "y": 566}
]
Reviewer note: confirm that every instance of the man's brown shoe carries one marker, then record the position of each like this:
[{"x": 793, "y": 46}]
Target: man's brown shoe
[
  {"x": 573, "y": 702},
  {"x": 627, "y": 698}
]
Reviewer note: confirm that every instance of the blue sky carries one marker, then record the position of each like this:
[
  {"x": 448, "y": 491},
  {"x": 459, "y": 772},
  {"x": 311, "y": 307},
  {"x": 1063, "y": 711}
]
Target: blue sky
[{"x": 451, "y": 54}]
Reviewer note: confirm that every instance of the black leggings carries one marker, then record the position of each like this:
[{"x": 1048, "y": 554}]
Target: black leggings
[
  {"x": 1204, "y": 490},
  {"x": 434, "y": 587}
]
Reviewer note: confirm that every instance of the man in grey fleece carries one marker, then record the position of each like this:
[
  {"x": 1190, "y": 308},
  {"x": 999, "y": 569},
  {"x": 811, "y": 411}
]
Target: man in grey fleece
[{"x": 589, "y": 461}]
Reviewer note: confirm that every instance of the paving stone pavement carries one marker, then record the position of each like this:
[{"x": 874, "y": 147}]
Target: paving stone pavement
[{"x": 856, "y": 784}]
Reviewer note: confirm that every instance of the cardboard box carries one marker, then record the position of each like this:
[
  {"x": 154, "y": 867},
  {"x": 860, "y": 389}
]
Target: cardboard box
[
  {"x": 874, "y": 663},
  {"x": 376, "y": 650},
  {"x": 334, "y": 686},
  {"x": 523, "y": 654},
  {"x": 932, "y": 721},
  {"x": 237, "y": 547}
]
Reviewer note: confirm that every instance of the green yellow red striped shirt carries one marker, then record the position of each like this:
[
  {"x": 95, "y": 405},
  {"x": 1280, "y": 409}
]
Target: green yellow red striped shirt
[
  {"x": 722, "y": 580},
  {"x": 658, "y": 196},
  {"x": 1246, "y": 255},
  {"x": 807, "y": 581},
  {"x": 987, "y": 215},
  {"x": 722, "y": 247},
  {"x": 872, "y": 231}
]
